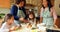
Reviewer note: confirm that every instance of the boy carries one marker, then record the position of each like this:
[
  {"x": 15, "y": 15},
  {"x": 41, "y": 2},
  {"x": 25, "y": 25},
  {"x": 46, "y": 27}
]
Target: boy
[{"x": 6, "y": 27}]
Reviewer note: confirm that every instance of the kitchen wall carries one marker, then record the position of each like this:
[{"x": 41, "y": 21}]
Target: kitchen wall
[
  {"x": 33, "y": 2},
  {"x": 57, "y": 8},
  {"x": 5, "y": 6},
  {"x": 5, "y": 3}
]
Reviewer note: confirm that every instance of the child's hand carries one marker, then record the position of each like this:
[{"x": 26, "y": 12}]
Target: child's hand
[
  {"x": 15, "y": 28},
  {"x": 12, "y": 29}
]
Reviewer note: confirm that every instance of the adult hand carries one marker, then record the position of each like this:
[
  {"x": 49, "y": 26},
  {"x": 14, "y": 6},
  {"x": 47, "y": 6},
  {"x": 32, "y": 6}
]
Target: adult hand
[{"x": 55, "y": 25}]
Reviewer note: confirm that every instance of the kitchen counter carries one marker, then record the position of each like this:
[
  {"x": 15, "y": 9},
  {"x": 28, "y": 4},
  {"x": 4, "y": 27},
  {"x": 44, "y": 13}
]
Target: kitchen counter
[{"x": 53, "y": 30}]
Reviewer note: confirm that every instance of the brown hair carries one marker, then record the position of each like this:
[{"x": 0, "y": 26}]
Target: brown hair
[
  {"x": 18, "y": 1},
  {"x": 49, "y": 4},
  {"x": 8, "y": 16},
  {"x": 31, "y": 12}
]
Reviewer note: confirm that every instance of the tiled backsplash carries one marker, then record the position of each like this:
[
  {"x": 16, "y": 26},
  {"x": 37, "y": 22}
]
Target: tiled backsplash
[{"x": 4, "y": 10}]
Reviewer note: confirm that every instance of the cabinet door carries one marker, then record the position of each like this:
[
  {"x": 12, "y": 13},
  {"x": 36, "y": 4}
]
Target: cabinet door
[
  {"x": 5, "y": 3},
  {"x": 28, "y": 1},
  {"x": 34, "y": 2}
]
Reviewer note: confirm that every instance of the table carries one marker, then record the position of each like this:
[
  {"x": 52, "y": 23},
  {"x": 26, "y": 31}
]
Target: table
[
  {"x": 26, "y": 30},
  {"x": 41, "y": 29}
]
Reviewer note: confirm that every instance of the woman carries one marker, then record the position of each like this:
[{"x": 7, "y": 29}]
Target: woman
[
  {"x": 48, "y": 15},
  {"x": 18, "y": 10}
]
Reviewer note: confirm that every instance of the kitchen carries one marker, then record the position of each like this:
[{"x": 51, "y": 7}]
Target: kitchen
[{"x": 35, "y": 5}]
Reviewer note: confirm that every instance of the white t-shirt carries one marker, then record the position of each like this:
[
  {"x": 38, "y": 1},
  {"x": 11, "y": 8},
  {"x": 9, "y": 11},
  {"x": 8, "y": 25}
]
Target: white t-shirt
[{"x": 5, "y": 27}]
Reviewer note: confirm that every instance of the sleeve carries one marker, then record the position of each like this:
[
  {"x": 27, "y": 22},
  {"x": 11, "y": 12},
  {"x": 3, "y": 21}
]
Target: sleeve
[
  {"x": 41, "y": 13},
  {"x": 13, "y": 9},
  {"x": 54, "y": 14},
  {"x": 4, "y": 28},
  {"x": 16, "y": 17}
]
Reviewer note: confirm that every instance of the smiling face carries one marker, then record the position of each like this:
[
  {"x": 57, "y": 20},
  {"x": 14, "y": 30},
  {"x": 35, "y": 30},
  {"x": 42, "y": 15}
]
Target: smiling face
[
  {"x": 45, "y": 3},
  {"x": 31, "y": 16}
]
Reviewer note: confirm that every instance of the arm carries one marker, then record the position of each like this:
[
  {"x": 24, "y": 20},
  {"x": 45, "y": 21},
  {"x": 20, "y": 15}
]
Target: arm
[
  {"x": 41, "y": 18},
  {"x": 54, "y": 16},
  {"x": 14, "y": 12}
]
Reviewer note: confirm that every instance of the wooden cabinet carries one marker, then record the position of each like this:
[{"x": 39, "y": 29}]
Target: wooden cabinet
[
  {"x": 34, "y": 2},
  {"x": 37, "y": 3},
  {"x": 5, "y": 3}
]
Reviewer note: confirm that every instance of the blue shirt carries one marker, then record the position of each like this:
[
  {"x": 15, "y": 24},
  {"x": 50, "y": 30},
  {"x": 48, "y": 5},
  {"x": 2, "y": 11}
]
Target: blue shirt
[{"x": 14, "y": 11}]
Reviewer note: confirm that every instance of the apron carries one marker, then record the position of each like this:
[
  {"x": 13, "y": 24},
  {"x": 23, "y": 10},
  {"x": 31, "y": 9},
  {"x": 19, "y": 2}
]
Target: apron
[
  {"x": 47, "y": 18},
  {"x": 20, "y": 14}
]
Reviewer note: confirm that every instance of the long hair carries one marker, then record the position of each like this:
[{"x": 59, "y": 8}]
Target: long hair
[{"x": 49, "y": 4}]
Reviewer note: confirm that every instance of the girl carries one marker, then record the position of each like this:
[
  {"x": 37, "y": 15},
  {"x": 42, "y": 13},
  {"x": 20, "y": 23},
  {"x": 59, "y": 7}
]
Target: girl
[
  {"x": 32, "y": 19},
  {"x": 48, "y": 15},
  {"x": 9, "y": 19}
]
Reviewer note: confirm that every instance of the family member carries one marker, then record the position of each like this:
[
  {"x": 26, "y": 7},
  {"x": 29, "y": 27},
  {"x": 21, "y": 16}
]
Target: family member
[{"x": 48, "y": 14}]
